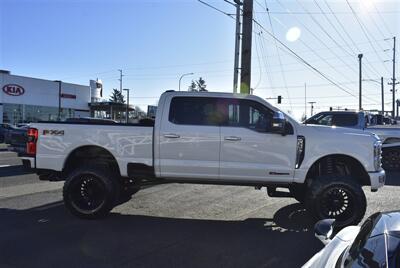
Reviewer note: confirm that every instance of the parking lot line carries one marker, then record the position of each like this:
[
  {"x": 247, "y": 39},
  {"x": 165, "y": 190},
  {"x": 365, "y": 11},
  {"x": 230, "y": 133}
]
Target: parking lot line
[{"x": 4, "y": 166}]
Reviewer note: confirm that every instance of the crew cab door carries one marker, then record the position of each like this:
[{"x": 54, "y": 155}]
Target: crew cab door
[
  {"x": 249, "y": 150},
  {"x": 189, "y": 138}
]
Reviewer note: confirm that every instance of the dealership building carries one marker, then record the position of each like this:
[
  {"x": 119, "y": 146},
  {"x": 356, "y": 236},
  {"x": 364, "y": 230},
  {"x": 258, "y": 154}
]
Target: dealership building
[{"x": 26, "y": 99}]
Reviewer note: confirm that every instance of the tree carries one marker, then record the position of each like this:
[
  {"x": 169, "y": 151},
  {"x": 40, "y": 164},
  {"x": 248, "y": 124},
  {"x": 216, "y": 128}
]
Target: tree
[
  {"x": 201, "y": 84},
  {"x": 116, "y": 96},
  {"x": 192, "y": 86},
  {"x": 198, "y": 85}
]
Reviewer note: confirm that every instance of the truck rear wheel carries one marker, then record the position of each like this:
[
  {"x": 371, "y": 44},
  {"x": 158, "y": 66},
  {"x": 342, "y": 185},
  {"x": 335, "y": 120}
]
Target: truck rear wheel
[
  {"x": 90, "y": 192},
  {"x": 340, "y": 198}
]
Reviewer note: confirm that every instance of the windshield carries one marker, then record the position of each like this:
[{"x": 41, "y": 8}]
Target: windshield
[{"x": 340, "y": 120}]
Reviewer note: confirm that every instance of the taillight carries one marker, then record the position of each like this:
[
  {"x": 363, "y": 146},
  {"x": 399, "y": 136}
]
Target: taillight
[{"x": 33, "y": 134}]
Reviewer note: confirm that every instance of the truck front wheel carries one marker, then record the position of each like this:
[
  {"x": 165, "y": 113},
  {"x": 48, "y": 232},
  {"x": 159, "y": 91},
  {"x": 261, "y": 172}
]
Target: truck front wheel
[
  {"x": 90, "y": 192},
  {"x": 340, "y": 198}
]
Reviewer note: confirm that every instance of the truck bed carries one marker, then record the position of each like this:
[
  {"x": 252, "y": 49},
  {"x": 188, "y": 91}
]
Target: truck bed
[{"x": 128, "y": 143}]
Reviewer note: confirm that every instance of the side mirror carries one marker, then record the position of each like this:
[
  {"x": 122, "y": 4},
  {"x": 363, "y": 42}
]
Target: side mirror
[
  {"x": 324, "y": 229},
  {"x": 278, "y": 123}
]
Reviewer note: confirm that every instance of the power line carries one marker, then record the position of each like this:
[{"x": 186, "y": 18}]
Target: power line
[
  {"x": 348, "y": 35},
  {"x": 277, "y": 52},
  {"x": 216, "y": 9},
  {"x": 303, "y": 60},
  {"x": 319, "y": 39},
  {"x": 382, "y": 19},
  {"x": 365, "y": 31},
  {"x": 323, "y": 12}
]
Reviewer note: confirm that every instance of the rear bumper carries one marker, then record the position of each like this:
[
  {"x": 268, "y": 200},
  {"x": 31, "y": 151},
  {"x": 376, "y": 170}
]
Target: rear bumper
[
  {"x": 28, "y": 162},
  {"x": 377, "y": 179}
]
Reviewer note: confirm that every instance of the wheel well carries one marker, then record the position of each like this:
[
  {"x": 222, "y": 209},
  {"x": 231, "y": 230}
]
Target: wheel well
[
  {"x": 91, "y": 154},
  {"x": 343, "y": 165}
]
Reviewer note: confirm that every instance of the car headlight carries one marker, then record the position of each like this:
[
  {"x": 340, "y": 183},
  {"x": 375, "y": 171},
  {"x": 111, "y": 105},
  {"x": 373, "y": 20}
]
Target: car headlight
[{"x": 377, "y": 155}]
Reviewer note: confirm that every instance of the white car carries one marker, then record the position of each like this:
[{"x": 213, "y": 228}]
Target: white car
[{"x": 375, "y": 244}]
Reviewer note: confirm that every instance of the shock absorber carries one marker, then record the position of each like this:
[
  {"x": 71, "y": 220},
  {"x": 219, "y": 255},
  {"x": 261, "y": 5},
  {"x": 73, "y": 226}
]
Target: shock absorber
[{"x": 330, "y": 168}]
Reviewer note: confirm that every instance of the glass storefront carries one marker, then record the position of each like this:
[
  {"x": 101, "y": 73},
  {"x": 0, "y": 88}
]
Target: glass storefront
[{"x": 19, "y": 113}]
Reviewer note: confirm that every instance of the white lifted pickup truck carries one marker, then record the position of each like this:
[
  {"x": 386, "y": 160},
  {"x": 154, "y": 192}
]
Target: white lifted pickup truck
[{"x": 210, "y": 138}]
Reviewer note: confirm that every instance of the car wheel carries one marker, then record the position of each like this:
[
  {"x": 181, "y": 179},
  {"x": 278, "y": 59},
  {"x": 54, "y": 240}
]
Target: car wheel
[
  {"x": 90, "y": 192},
  {"x": 335, "y": 197}
]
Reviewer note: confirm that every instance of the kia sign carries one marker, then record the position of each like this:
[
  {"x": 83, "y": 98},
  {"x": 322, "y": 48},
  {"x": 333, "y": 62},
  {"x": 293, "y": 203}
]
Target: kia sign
[{"x": 13, "y": 90}]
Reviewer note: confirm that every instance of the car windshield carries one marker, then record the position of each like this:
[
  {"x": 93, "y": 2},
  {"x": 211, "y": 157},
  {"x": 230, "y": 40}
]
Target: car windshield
[{"x": 340, "y": 120}]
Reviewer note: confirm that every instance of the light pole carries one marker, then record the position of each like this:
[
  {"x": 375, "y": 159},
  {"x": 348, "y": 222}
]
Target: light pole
[
  {"x": 127, "y": 104},
  {"x": 360, "y": 82},
  {"x": 180, "y": 79},
  {"x": 382, "y": 91},
  {"x": 59, "y": 99}
]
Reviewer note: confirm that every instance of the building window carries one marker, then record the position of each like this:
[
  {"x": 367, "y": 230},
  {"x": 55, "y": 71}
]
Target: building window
[{"x": 18, "y": 113}]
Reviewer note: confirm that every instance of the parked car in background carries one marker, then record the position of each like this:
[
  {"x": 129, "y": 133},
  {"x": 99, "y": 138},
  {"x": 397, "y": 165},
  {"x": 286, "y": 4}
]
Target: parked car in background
[
  {"x": 390, "y": 135},
  {"x": 210, "y": 138},
  {"x": 17, "y": 138},
  {"x": 375, "y": 244},
  {"x": 4, "y": 129}
]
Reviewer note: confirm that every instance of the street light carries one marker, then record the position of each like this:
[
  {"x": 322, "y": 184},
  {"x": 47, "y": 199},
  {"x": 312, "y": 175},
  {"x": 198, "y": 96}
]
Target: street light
[
  {"x": 127, "y": 105},
  {"x": 59, "y": 99},
  {"x": 180, "y": 79}
]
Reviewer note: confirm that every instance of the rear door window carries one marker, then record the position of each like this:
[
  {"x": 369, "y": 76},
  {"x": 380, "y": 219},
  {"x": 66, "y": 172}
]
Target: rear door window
[{"x": 195, "y": 111}]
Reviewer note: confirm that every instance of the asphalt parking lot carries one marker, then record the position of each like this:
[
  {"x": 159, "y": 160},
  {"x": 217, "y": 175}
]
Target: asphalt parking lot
[{"x": 171, "y": 225}]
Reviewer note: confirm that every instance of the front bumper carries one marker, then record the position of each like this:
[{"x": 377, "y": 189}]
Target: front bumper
[{"x": 377, "y": 179}]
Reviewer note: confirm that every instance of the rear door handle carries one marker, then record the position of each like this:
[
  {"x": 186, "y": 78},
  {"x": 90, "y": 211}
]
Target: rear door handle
[
  {"x": 232, "y": 138},
  {"x": 171, "y": 136}
]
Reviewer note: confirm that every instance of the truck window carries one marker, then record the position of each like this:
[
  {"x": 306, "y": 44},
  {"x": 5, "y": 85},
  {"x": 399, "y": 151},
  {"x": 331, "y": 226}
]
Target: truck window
[
  {"x": 345, "y": 120},
  {"x": 195, "y": 111},
  {"x": 249, "y": 114}
]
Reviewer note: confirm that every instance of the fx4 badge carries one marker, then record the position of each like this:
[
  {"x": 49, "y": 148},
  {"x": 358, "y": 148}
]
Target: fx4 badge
[{"x": 53, "y": 132}]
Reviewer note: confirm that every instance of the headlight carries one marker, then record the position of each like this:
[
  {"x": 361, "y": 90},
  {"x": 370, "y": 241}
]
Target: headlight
[{"x": 377, "y": 155}]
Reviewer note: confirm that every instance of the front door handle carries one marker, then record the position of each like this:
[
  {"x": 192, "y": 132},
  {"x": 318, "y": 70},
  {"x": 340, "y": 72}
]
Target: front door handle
[
  {"x": 232, "y": 138},
  {"x": 171, "y": 136}
]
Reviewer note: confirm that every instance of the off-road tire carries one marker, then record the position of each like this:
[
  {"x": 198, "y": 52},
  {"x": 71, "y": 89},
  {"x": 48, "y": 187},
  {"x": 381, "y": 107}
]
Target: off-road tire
[
  {"x": 91, "y": 185},
  {"x": 326, "y": 198}
]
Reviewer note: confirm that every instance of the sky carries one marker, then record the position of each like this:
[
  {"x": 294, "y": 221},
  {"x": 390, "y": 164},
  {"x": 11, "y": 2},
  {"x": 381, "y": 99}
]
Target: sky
[{"x": 155, "y": 42}]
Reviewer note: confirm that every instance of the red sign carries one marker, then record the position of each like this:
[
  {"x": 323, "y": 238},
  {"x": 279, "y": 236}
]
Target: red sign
[
  {"x": 68, "y": 96},
  {"x": 13, "y": 90}
]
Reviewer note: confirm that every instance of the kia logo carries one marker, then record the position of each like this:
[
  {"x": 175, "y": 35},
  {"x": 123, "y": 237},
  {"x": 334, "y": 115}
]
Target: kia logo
[{"x": 13, "y": 90}]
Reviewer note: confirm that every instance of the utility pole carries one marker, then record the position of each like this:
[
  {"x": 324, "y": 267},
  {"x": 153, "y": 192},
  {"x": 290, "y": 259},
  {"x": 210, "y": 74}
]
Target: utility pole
[
  {"x": 383, "y": 97},
  {"x": 237, "y": 47},
  {"x": 127, "y": 105},
  {"x": 305, "y": 100},
  {"x": 312, "y": 106},
  {"x": 360, "y": 82},
  {"x": 120, "y": 80},
  {"x": 394, "y": 83},
  {"x": 245, "y": 74}
]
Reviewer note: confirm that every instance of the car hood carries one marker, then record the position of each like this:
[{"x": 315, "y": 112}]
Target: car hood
[
  {"x": 329, "y": 255},
  {"x": 333, "y": 130}
]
